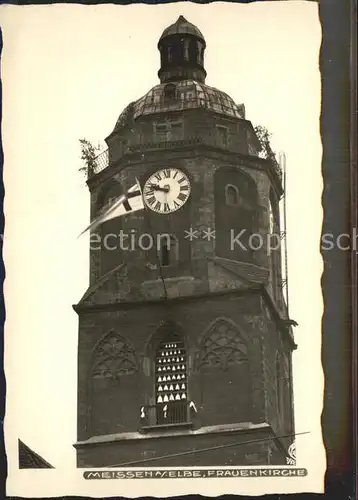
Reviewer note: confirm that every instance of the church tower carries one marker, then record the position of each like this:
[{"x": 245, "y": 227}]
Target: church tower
[{"x": 185, "y": 344}]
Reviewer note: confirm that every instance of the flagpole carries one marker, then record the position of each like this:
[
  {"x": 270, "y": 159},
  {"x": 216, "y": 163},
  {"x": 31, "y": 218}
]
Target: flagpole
[{"x": 146, "y": 210}]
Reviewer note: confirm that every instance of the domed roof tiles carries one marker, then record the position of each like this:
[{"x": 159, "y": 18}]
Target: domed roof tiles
[
  {"x": 182, "y": 26},
  {"x": 189, "y": 94}
]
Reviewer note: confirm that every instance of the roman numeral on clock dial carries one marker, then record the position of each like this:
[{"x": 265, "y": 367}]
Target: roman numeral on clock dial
[
  {"x": 182, "y": 197},
  {"x": 166, "y": 190},
  {"x": 151, "y": 200}
]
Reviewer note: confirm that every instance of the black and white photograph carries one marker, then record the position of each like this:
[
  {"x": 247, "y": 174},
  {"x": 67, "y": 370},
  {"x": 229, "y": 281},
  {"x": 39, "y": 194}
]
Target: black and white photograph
[{"x": 162, "y": 169}]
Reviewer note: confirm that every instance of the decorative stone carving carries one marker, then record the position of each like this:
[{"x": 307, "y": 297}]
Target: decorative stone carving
[
  {"x": 221, "y": 346},
  {"x": 257, "y": 322},
  {"x": 114, "y": 357}
]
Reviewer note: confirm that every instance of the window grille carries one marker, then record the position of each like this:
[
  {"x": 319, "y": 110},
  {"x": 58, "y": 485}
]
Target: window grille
[{"x": 171, "y": 381}]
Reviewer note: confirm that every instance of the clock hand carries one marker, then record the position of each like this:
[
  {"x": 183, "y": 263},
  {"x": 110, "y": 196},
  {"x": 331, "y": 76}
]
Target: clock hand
[{"x": 156, "y": 187}]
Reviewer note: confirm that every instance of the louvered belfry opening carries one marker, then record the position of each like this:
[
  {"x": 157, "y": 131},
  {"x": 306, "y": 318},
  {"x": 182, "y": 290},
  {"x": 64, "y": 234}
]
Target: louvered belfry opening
[{"x": 171, "y": 381}]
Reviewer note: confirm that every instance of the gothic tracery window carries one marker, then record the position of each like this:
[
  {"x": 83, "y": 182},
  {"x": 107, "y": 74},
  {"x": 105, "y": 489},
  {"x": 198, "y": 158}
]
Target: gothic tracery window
[
  {"x": 171, "y": 380},
  {"x": 222, "y": 346},
  {"x": 113, "y": 358},
  {"x": 113, "y": 374}
]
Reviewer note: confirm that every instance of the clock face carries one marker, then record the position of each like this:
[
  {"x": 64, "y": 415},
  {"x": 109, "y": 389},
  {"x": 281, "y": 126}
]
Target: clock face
[{"x": 166, "y": 190}]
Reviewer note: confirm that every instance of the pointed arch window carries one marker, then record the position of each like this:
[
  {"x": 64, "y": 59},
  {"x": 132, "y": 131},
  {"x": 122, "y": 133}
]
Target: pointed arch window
[
  {"x": 222, "y": 355},
  {"x": 232, "y": 196},
  {"x": 222, "y": 346},
  {"x": 112, "y": 375},
  {"x": 169, "y": 250},
  {"x": 238, "y": 191},
  {"x": 171, "y": 381},
  {"x": 114, "y": 357}
]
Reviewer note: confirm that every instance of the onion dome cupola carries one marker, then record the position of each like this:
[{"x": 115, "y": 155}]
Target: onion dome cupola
[{"x": 181, "y": 49}]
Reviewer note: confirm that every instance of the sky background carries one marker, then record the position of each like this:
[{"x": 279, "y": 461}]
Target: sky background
[{"x": 68, "y": 72}]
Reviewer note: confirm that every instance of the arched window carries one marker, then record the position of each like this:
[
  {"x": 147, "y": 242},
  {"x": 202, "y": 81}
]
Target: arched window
[
  {"x": 186, "y": 49},
  {"x": 231, "y": 195},
  {"x": 170, "y": 53},
  {"x": 171, "y": 381},
  {"x": 193, "y": 51},
  {"x": 200, "y": 59},
  {"x": 170, "y": 91},
  {"x": 236, "y": 212},
  {"x": 222, "y": 360},
  {"x": 113, "y": 373},
  {"x": 221, "y": 346},
  {"x": 169, "y": 250}
]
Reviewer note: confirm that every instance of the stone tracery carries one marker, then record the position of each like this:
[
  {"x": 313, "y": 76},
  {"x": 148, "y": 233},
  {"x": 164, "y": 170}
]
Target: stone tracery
[
  {"x": 114, "y": 357},
  {"x": 221, "y": 346}
]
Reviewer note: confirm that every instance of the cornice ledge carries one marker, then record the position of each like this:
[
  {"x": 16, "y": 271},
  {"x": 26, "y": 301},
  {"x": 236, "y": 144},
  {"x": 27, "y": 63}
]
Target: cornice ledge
[{"x": 110, "y": 306}]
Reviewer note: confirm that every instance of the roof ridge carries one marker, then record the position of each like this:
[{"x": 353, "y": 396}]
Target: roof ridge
[
  {"x": 91, "y": 289},
  {"x": 35, "y": 460},
  {"x": 239, "y": 267}
]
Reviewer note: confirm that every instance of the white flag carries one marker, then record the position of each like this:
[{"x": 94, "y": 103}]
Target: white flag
[{"x": 129, "y": 202}]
